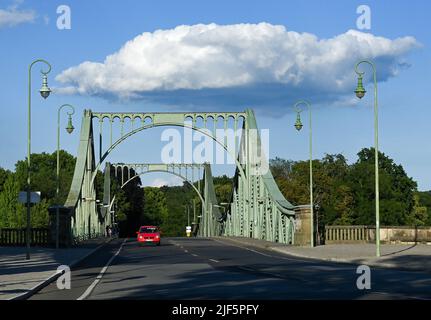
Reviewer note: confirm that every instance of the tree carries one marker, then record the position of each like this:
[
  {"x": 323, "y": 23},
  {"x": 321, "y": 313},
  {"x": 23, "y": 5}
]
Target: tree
[
  {"x": 44, "y": 174},
  {"x": 396, "y": 190},
  {"x": 330, "y": 191},
  {"x": 11, "y": 212},
  {"x": 419, "y": 214},
  {"x": 280, "y": 168},
  {"x": 346, "y": 193},
  {"x": 129, "y": 202},
  {"x": 4, "y": 174},
  {"x": 223, "y": 188},
  {"x": 425, "y": 201},
  {"x": 43, "y": 179}
]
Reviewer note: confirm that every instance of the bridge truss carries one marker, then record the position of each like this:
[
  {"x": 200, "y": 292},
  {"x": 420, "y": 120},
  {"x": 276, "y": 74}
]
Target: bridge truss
[{"x": 257, "y": 208}]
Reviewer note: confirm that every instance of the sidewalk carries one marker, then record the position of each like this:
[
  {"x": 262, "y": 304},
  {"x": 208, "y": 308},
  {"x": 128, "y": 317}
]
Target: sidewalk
[
  {"x": 20, "y": 277},
  {"x": 398, "y": 256}
]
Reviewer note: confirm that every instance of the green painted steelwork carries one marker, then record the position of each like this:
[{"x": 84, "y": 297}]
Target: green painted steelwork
[
  {"x": 44, "y": 92},
  {"x": 360, "y": 93},
  {"x": 298, "y": 126},
  {"x": 184, "y": 171},
  {"x": 69, "y": 130},
  {"x": 257, "y": 208}
]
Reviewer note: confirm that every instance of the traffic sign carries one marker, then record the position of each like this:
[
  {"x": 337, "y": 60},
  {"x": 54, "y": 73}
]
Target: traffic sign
[{"x": 34, "y": 197}]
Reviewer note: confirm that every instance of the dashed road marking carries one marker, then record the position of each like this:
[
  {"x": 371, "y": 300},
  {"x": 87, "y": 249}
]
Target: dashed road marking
[{"x": 214, "y": 260}]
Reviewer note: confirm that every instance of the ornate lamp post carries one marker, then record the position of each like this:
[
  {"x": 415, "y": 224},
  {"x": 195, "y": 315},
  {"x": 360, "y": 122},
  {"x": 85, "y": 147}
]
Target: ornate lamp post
[
  {"x": 298, "y": 125},
  {"x": 360, "y": 93},
  {"x": 44, "y": 92},
  {"x": 69, "y": 130}
]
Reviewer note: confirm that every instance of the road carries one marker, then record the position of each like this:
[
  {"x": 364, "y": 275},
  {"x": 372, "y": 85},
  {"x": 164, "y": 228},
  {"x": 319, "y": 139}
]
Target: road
[{"x": 184, "y": 268}]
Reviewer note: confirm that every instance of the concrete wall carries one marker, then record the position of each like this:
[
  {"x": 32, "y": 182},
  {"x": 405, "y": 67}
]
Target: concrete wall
[
  {"x": 405, "y": 234},
  {"x": 388, "y": 234}
]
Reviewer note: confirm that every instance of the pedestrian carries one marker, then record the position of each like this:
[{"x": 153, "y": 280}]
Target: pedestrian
[{"x": 107, "y": 231}]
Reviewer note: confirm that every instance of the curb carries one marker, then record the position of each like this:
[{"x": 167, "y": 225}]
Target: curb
[
  {"x": 56, "y": 275},
  {"x": 353, "y": 261},
  {"x": 336, "y": 260}
]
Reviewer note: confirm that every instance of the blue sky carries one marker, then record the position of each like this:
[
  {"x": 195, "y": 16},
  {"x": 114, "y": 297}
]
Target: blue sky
[{"x": 341, "y": 124}]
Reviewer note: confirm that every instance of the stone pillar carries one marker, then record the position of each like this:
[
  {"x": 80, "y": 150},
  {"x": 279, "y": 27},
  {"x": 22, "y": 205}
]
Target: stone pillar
[
  {"x": 65, "y": 231},
  {"x": 302, "y": 225}
]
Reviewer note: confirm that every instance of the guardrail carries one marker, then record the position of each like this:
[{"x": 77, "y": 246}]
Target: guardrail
[
  {"x": 348, "y": 234},
  {"x": 388, "y": 234},
  {"x": 17, "y": 237}
]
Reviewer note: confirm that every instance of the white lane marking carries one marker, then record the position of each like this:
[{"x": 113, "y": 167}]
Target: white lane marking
[
  {"x": 186, "y": 251},
  {"x": 194, "y": 255},
  {"x": 213, "y": 260},
  {"x": 102, "y": 272}
]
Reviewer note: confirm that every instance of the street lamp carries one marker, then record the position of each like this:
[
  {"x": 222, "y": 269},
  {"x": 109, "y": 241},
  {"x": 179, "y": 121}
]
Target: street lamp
[
  {"x": 44, "y": 92},
  {"x": 298, "y": 125},
  {"x": 360, "y": 93},
  {"x": 69, "y": 130}
]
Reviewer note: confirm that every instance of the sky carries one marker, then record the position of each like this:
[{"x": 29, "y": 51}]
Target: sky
[{"x": 161, "y": 56}]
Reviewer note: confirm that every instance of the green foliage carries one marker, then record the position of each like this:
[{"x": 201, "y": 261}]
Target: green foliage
[
  {"x": 425, "y": 201},
  {"x": 419, "y": 214},
  {"x": 4, "y": 174},
  {"x": 345, "y": 193},
  {"x": 396, "y": 190},
  {"x": 11, "y": 212},
  {"x": 128, "y": 204},
  {"x": 155, "y": 207},
  {"x": 43, "y": 179},
  {"x": 44, "y": 174},
  {"x": 223, "y": 188}
]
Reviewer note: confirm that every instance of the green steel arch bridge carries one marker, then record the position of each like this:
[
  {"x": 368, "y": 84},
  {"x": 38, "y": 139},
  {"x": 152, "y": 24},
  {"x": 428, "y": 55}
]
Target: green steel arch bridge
[{"x": 257, "y": 208}]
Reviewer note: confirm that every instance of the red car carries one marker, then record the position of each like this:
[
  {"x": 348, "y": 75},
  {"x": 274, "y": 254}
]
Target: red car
[{"x": 148, "y": 234}]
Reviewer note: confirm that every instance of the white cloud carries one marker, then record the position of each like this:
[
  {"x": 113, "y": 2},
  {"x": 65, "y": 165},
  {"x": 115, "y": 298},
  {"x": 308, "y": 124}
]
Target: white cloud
[
  {"x": 212, "y": 57},
  {"x": 12, "y": 16}
]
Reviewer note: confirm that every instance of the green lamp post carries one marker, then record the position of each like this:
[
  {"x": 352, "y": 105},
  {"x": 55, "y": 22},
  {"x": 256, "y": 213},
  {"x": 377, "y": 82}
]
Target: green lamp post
[
  {"x": 360, "y": 93},
  {"x": 44, "y": 92},
  {"x": 298, "y": 126},
  {"x": 69, "y": 130}
]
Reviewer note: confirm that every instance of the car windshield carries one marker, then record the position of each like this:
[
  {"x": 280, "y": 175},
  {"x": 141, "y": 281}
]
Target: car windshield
[{"x": 148, "y": 230}]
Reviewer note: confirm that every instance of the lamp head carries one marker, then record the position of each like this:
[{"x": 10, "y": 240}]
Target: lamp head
[
  {"x": 298, "y": 123},
  {"x": 70, "y": 127},
  {"x": 45, "y": 90},
  {"x": 360, "y": 91}
]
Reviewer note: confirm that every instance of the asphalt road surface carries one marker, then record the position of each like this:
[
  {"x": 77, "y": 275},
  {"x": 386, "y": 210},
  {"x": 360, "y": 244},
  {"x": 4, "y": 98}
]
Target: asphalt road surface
[{"x": 196, "y": 268}]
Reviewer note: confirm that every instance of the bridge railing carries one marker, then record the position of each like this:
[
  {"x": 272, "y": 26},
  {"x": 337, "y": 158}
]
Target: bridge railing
[
  {"x": 17, "y": 237},
  {"x": 348, "y": 234},
  {"x": 388, "y": 234}
]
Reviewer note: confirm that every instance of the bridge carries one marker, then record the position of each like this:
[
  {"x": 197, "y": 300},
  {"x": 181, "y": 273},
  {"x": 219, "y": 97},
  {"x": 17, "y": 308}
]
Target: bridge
[
  {"x": 257, "y": 208},
  {"x": 244, "y": 252}
]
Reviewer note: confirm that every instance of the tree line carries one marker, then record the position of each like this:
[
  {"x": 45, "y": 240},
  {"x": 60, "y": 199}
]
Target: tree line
[{"x": 343, "y": 192}]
